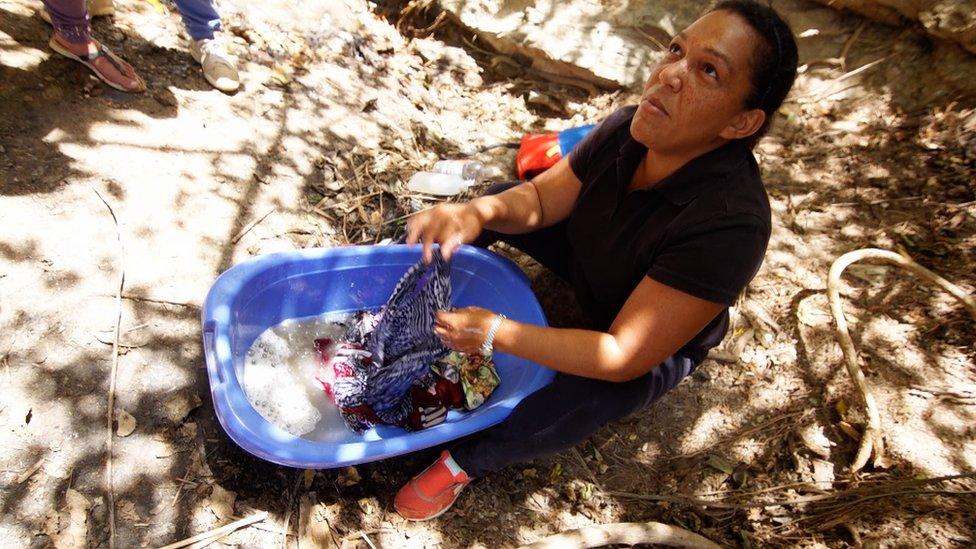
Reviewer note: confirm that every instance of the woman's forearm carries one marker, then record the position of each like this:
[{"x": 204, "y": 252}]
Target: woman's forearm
[{"x": 577, "y": 352}]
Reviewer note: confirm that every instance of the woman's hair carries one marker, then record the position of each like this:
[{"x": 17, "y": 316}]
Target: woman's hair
[{"x": 773, "y": 61}]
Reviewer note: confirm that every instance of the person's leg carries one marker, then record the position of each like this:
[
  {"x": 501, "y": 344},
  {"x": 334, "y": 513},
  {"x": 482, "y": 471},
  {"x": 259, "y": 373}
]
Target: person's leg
[
  {"x": 202, "y": 20},
  {"x": 555, "y": 418},
  {"x": 72, "y": 38},
  {"x": 563, "y": 414},
  {"x": 70, "y": 20}
]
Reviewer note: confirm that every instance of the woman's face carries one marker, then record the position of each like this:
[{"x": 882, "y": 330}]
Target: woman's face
[{"x": 695, "y": 99}]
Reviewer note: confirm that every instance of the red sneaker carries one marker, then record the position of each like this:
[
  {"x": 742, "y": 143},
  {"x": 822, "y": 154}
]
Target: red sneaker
[{"x": 431, "y": 493}]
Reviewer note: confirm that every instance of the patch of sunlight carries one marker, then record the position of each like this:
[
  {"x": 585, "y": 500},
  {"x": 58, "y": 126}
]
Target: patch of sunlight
[
  {"x": 130, "y": 128},
  {"x": 710, "y": 426},
  {"x": 567, "y": 520},
  {"x": 56, "y": 135},
  {"x": 847, "y": 125},
  {"x": 19, "y": 56},
  {"x": 154, "y": 456},
  {"x": 747, "y": 450},
  {"x": 649, "y": 453},
  {"x": 927, "y": 452},
  {"x": 236, "y": 166}
]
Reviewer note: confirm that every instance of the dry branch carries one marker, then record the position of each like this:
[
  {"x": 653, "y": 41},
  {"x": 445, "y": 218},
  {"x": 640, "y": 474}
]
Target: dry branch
[
  {"x": 109, "y": 416},
  {"x": 247, "y": 228},
  {"x": 219, "y": 532},
  {"x": 871, "y": 440}
]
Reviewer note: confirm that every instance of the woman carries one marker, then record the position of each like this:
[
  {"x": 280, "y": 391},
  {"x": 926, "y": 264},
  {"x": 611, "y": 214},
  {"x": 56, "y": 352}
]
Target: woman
[{"x": 658, "y": 219}]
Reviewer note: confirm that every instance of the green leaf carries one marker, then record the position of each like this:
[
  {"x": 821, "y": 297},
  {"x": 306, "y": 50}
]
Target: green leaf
[{"x": 719, "y": 463}]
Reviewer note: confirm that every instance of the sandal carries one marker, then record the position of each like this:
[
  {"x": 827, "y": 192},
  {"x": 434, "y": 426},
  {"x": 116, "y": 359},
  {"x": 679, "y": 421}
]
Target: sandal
[{"x": 89, "y": 61}]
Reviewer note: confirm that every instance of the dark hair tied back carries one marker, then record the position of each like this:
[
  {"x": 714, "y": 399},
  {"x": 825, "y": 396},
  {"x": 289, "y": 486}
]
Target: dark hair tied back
[{"x": 774, "y": 60}]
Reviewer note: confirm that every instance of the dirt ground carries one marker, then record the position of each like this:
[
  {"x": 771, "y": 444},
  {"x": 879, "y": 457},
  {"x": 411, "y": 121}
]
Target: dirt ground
[{"x": 341, "y": 102}]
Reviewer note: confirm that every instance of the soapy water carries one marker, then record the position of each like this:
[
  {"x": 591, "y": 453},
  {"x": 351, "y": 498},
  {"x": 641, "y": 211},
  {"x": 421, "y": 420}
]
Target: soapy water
[{"x": 279, "y": 377}]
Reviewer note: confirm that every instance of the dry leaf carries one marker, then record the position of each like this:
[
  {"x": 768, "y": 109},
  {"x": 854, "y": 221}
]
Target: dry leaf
[
  {"x": 68, "y": 529},
  {"x": 348, "y": 476},
  {"x": 126, "y": 423},
  {"x": 221, "y": 502},
  {"x": 127, "y": 512},
  {"x": 30, "y": 471},
  {"x": 180, "y": 405},
  {"x": 719, "y": 463},
  {"x": 557, "y": 471}
]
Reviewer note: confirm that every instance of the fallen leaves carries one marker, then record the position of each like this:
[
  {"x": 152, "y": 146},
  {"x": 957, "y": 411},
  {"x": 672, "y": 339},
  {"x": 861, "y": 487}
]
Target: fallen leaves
[
  {"x": 179, "y": 405},
  {"x": 125, "y": 422},
  {"x": 68, "y": 528}
]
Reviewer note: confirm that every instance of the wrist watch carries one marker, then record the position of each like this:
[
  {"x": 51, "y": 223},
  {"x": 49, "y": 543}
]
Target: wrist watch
[{"x": 489, "y": 343}]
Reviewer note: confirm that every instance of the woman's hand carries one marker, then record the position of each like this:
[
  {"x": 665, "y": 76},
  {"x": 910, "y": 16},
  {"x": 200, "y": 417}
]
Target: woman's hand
[
  {"x": 465, "y": 329},
  {"x": 449, "y": 225}
]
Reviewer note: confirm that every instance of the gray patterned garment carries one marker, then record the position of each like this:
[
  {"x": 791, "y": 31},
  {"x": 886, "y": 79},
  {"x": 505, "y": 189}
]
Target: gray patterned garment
[{"x": 402, "y": 344}]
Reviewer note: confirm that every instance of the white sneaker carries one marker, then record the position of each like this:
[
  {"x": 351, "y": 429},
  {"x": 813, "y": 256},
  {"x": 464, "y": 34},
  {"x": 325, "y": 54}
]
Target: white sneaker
[{"x": 218, "y": 67}]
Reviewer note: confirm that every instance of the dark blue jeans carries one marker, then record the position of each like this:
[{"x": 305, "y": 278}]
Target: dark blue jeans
[{"x": 571, "y": 408}]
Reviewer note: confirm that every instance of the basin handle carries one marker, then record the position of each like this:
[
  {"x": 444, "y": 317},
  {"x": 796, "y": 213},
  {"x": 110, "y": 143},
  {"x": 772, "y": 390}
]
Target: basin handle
[{"x": 210, "y": 355}]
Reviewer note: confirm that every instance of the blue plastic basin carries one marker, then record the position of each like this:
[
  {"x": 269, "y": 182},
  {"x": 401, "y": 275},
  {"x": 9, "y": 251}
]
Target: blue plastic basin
[{"x": 253, "y": 296}]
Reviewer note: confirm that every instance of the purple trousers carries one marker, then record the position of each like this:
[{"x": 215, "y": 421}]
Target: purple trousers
[{"x": 70, "y": 19}]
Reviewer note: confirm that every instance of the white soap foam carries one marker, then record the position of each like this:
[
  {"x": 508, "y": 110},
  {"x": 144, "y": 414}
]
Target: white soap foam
[{"x": 279, "y": 378}]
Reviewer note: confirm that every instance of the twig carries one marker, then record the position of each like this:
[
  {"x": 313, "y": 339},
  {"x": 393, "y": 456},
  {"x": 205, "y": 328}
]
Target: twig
[
  {"x": 589, "y": 473},
  {"x": 367, "y": 540},
  {"x": 219, "y": 532},
  {"x": 871, "y": 440},
  {"x": 247, "y": 228},
  {"x": 360, "y": 198},
  {"x": 833, "y": 499},
  {"x": 813, "y": 98},
  {"x": 109, "y": 415},
  {"x": 626, "y": 533},
  {"x": 291, "y": 500},
  {"x": 847, "y": 45},
  {"x": 29, "y": 472},
  {"x": 881, "y": 201},
  {"x": 129, "y": 297}
]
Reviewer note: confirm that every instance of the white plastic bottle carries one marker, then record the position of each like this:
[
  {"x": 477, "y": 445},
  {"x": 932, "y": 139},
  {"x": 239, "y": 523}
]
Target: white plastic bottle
[
  {"x": 469, "y": 170},
  {"x": 440, "y": 184}
]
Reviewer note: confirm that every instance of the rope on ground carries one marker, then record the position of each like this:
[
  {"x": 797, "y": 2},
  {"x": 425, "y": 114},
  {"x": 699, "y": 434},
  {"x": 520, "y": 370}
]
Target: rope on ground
[
  {"x": 110, "y": 415},
  {"x": 872, "y": 443},
  {"x": 627, "y": 533}
]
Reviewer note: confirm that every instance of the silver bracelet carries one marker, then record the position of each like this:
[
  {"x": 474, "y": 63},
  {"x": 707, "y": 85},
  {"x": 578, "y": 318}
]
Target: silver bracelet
[{"x": 489, "y": 343}]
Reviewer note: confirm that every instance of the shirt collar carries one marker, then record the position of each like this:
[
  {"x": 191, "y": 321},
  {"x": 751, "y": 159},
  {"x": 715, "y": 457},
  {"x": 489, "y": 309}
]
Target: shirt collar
[{"x": 696, "y": 176}]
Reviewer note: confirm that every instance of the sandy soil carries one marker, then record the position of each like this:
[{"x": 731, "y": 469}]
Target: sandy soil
[{"x": 337, "y": 109}]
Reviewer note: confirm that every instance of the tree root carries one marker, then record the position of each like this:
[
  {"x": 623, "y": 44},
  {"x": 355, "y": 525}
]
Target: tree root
[
  {"x": 627, "y": 533},
  {"x": 872, "y": 442}
]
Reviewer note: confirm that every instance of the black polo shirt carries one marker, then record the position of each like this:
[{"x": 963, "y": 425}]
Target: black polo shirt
[{"x": 703, "y": 230}]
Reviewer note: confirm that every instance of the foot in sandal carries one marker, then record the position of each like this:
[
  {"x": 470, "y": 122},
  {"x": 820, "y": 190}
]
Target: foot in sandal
[{"x": 107, "y": 66}]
